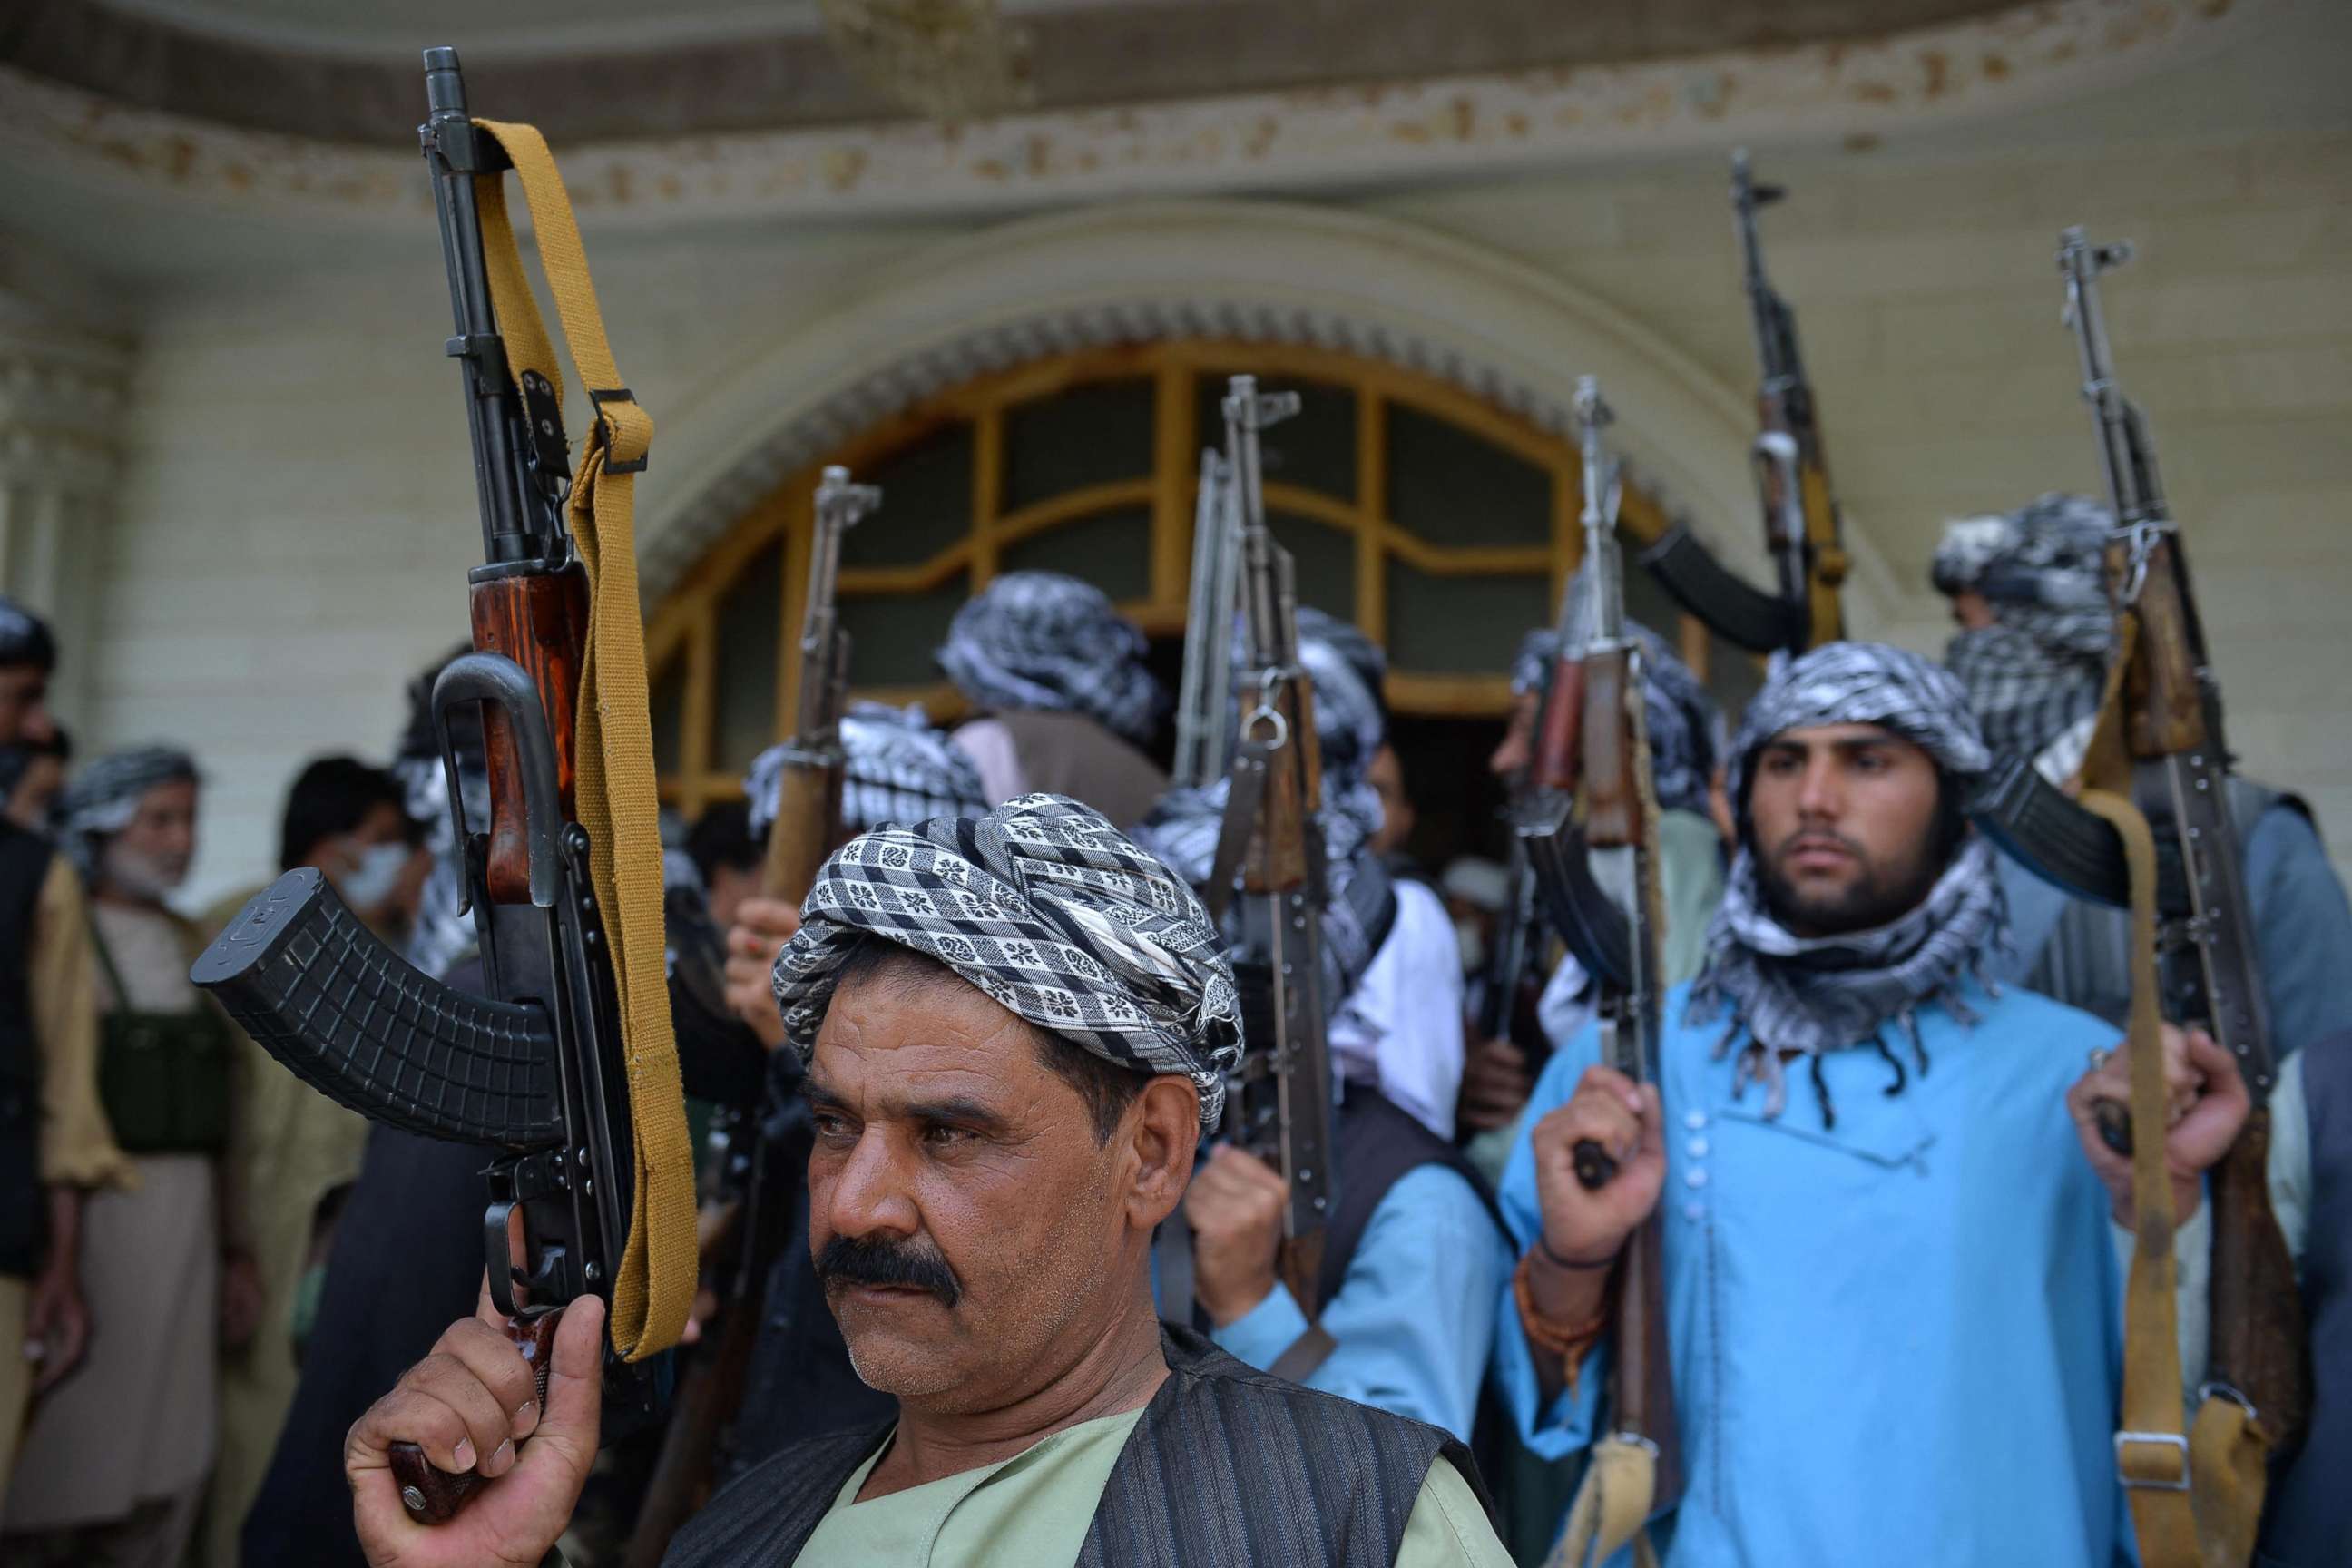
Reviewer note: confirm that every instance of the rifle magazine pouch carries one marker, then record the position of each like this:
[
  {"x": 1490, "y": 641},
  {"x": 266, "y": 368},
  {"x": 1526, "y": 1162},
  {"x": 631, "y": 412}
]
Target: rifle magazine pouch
[{"x": 163, "y": 1079}]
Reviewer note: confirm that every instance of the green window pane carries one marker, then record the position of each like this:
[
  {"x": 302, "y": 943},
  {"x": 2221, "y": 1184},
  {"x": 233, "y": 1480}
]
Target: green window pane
[
  {"x": 1111, "y": 550},
  {"x": 667, "y": 702},
  {"x": 1450, "y": 487},
  {"x": 1315, "y": 448},
  {"x": 1326, "y": 561},
  {"x": 1460, "y": 626},
  {"x": 892, "y": 636},
  {"x": 926, "y": 501},
  {"x": 749, "y": 625},
  {"x": 1094, "y": 434}
]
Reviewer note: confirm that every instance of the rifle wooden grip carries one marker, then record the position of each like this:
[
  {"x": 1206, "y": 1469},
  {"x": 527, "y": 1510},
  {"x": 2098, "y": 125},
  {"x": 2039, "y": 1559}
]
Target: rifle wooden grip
[
  {"x": 1276, "y": 861},
  {"x": 436, "y": 1496},
  {"x": 1642, "y": 1374},
  {"x": 1559, "y": 733},
  {"x": 2258, "y": 1341},
  {"x": 1302, "y": 1270},
  {"x": 807, "y": 806},
  {"x": 539, "y": 620},
  {"x": 1613, "y": 799},
  {"x": 2166, "y": 707}
]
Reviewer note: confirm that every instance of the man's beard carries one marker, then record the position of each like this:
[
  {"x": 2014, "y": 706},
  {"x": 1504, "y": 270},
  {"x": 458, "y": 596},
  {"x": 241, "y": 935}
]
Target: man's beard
[
  {"x": 141, "y": 874},
  {"x": 1874, "y": 898},
  {"x": 850, "y": 1260}
]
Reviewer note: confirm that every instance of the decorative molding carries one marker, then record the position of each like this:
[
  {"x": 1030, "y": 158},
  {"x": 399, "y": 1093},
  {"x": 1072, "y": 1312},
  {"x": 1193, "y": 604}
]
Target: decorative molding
[
  {"x": 62, "y": 395},
  {"x": 1510, "y": 333},
  {"x": 1856, "y": 89}
]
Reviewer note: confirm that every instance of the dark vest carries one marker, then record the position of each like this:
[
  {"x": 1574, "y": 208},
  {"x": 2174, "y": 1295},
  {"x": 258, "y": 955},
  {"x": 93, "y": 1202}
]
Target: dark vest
[
  {"x": 1068, "y": 754},
  {"x": 1380, "y": 1145},
  {"x": 24, "y": 1214},
  {"x": 2308, "y": 1520},
  {"x": 1227, "y": 1468}
]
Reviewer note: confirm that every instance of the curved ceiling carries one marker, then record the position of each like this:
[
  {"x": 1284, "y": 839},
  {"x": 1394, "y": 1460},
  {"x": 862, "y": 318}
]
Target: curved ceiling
[{"x": 345, "y": 71}]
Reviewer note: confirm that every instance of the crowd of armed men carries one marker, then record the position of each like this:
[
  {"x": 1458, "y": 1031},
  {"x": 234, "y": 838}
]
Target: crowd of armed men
[{"x": 1796, "y": 1154}]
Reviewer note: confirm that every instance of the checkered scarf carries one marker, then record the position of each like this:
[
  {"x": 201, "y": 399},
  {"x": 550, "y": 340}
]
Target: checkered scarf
[
  {"x": 1686, "y": 726},
  {"x": 895, "y": 768},
  {"x": 103, "y": 797},
  {"x": 2036, "y": 674},
  {"x": 1047, "y": 907},
  {"x": 1346, "y": 670},
  {"x": 1810, "y": 996},
  {"x": 1043, "y": 642}
]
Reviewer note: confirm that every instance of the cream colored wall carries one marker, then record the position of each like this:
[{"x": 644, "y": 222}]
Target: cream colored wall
[{"x": 295, "y": 515}]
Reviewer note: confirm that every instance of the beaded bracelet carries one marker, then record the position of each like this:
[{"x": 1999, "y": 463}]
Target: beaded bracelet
[{"x": 1562, "y": 1340}]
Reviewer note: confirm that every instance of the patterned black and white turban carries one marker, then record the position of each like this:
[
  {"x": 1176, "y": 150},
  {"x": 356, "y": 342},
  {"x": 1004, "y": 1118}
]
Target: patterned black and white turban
[
  {"x": 1862, "y": 683},
  {"x": 1044, "y": 642},
  {"x": 1808, "y": 995},
  {"x": 1347, "y": 670},
  {"x": 895, "y": 768},
  {"x": 2036, "y": 674},
  {"x": 102, "y": 798},
  {"x": 1686, "y": 730},
  {"x": 1049, "y": 909},
  {"x": 24, "y": 637}
]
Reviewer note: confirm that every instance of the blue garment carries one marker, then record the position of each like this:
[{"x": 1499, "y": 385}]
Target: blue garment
[
  {"x": 1415, "y": 1317},
  {"x": 1897, "y": 1340}
]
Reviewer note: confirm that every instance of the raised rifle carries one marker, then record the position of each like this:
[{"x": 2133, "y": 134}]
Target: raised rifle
[
  {"x": 566, "y": 1066},
  {"x": 1803, "y": 531},
  {"x": 1204, "y": 701},
  {"x": 2163, "y": 730},
  {"x": 747, "y": 1214},
  {"x": 1279, "y": 1106},
  {"x": 1592, "y": 787}
]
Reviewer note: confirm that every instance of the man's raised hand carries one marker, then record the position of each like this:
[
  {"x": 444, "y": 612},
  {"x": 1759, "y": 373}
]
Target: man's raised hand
[
  {"x": 2205, "y": 1105},
  {"x": 473, "y": 1404},
  {"x": 761, "y": 927},
  {"x": 1586, "y": 1227}
]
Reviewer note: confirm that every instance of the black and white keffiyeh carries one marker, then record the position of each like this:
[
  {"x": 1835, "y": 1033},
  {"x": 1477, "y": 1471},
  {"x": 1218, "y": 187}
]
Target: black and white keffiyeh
[
  {"x": 102, "y": 798},
  {"x": 2036, "y": 674},
  {"x": 1347, "y": 671},
  {"x": 895, "y": 767},
  {"x": 1684, "y": 725},
  {"x": 1049, "y": 909},
  {"x": 1806, "y": 996},
  {"x": 1044, "y": 642}
]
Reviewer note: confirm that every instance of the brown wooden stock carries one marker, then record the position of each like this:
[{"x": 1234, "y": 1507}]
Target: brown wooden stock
[
  {"x": 1276, "y": 861},
  {"x": 808, "y": 804},
  {"x": 434, "y": 1496},
  {"x": 1302, "y": 1270},
  {"x": 2166, "y": 706},
  {"x": 1613, "y": 799},
  {"x": 539, "y": 620},
  {"x": 1642, "y": 1385},
  {"x": 1559, "y": 731},
  {"x": 1825, "y": 552},
  {"x": 2259, "y": 1343}
]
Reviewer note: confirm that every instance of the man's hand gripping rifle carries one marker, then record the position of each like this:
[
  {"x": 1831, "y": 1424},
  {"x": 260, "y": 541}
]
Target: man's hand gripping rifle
[
  {"x": 566, "y": 1067},
  {"x": 1589, "y": 795},
  {"x": 1281, "y": 1106},
  {"x": 1803, "y": 531}
]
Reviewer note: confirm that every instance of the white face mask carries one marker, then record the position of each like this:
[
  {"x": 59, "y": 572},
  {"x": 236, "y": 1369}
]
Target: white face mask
[{"x": 370, "y": 883}]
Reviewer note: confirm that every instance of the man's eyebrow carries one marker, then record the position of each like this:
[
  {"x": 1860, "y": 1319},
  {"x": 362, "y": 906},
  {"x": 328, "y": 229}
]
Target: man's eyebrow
[
  {"x": 961, "y": 1110},
  {"x": 816, "y": 1093}
]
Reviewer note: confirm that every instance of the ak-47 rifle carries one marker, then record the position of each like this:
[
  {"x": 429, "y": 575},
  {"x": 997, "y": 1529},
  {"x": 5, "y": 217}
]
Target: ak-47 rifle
[
  {"x": 2179, "y": 766},
  {"x": 1590, "y": 793},
  {"x": 1280, "y": 1106},
  {"x": 748, "y": 1224},
  {"x": 1204, "y": 704},
  {"x": 1803, "y": 531},
  {"x": 539, "y": 1067}
]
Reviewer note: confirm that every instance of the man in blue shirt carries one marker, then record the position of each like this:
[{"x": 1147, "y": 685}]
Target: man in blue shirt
[{"x": 1890, "y": 1293}]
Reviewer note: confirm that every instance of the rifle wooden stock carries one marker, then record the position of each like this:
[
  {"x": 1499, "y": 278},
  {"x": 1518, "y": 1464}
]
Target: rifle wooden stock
[
  {"x": 1641, "y": 1373},
  {"x": 1559, "y": 733},
  {"x": 1277, "y": 858},
  {"x": 1613, "y": 804},
  {"x": 1302, "y": 1269},
  {"x": 1825, "y": 557},
  {"x": 2260, "y": 1341},
  {"x": 2166, "y": 704},
  {"x": 539, "y": 620},
  {"x": 808, "y": 804}
]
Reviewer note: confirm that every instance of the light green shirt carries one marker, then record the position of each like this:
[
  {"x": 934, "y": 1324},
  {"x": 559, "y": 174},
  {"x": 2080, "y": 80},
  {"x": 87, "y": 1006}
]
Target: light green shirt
[{"x": 1034, "y": 1508}]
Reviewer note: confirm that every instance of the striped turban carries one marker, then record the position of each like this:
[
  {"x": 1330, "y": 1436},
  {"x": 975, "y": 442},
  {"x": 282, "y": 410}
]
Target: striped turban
[
  {"x": 104, "y": 796},
  {"x": 1043, "y": 642},
  {"x": 1051, "y": 912}
]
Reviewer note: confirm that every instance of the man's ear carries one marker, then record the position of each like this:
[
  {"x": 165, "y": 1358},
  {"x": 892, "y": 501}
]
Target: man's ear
[{"x": 1162, "y": 1130}]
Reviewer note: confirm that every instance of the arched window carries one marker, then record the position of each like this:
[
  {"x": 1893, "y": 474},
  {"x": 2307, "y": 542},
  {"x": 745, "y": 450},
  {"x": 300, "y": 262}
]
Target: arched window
[{"x": 1443, "y": 525}]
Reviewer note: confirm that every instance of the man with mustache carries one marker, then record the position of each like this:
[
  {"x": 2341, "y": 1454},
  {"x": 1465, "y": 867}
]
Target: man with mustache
[
  {"x": 1892, "y": 1291},
  {"x": 1016, "y": 1027}
]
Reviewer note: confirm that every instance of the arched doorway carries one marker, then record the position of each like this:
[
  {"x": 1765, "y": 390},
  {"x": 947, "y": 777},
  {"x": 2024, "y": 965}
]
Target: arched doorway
[{"x": 1441, "y": 524}]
